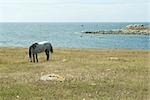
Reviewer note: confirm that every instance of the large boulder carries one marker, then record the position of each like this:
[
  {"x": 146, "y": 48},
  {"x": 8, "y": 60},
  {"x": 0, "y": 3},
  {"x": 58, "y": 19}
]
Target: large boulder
[
  {"x": 52, "y": 77},
  {"x": 135, "y": 26}
]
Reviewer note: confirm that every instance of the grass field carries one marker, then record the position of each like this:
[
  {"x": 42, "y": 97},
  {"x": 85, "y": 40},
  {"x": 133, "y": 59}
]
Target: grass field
[{"x": 90, "y": 74}]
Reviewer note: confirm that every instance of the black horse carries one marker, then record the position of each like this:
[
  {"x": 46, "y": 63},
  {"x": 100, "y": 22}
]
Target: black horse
[{"x": 36, "y": 48}]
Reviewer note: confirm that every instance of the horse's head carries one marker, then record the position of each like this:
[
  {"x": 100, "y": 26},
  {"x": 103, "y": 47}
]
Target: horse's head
[
  {"x": 34, "y": 45},
  {"x": 31, "y": 49}
]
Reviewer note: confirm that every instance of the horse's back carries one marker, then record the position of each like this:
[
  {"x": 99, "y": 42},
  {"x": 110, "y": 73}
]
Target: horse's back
[
  {"x": 42, "y": 46},
  {"x": 47, "y": 45},
  {"x": 43, "y": 42}
]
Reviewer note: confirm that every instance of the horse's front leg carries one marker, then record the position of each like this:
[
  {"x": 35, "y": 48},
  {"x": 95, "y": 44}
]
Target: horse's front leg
[
  {"x": 36, "y": 57},
  {"x": 33, "y": 58},
  {"x": 47, "y": 56}
]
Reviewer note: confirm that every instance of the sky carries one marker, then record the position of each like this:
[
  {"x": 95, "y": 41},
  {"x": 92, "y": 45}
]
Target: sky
[{"x": 74, "y": 11}]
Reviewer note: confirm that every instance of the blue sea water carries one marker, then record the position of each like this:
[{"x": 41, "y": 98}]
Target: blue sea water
[{"x": 69, "y": 35}]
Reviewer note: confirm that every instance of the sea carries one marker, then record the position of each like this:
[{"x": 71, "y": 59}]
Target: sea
[{"x": 69, "y": 35}]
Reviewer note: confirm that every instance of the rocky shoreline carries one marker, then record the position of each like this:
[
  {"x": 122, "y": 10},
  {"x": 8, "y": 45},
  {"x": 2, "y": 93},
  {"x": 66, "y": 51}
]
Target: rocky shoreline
[{"x": 135, "y": 29}]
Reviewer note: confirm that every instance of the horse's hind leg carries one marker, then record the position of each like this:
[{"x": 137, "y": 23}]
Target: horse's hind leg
[
  {"x": 36, "y": 57},
  {"x": 47, "y": 54},
  {"x": 33, "y": 58}
]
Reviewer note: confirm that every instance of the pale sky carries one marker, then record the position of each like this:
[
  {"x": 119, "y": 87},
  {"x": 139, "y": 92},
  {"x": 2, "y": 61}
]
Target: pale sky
[{"x": 74, "y": 11}]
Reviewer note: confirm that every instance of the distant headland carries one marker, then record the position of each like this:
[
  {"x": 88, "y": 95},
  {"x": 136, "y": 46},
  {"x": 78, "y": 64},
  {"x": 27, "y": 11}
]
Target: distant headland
[{"x": 133, "y": 29}]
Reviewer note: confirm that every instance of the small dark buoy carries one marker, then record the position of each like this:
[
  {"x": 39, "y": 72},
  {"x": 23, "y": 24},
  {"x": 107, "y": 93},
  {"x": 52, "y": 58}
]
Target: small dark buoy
[{"x": 82, "y": 25}]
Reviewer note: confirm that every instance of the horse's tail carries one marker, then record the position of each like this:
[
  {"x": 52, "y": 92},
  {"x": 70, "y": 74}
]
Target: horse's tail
[{"x": 51, "y": 49}]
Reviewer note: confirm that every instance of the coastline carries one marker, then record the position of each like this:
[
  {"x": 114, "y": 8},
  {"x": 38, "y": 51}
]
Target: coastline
[
  {"x": 69, "y": 49},
  {"x": 135, "y": 29}
]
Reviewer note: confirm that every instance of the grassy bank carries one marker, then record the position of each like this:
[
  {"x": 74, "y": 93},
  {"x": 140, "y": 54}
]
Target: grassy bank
[{"x": 90, "y": 74}]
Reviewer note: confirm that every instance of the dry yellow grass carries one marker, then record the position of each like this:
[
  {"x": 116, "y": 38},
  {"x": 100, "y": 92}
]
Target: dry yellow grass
[{"x": 90, "y": 74}]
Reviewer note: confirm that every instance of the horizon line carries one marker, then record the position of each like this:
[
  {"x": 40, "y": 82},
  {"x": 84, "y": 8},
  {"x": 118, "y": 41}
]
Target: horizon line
[{"x": 73, "y": 21}]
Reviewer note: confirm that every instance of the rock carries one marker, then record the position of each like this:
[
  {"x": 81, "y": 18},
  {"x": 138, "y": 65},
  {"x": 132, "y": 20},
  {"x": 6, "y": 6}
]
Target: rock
[
  {"x": 114, "y": 58},
  {"x": 64, "y": 60},
  {"x": 17, "y": 96},
  {"x": 135, "y": 29},
  {"x": 93, "y": 84},
  {"x": 52, "y": 77},
  {"x": 108, "y": 69},
  {"x": 135, "y": 26}
]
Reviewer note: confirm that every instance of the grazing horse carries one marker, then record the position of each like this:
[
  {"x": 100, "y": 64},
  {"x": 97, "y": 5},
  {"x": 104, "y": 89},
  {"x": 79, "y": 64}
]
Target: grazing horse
[{"x": 36, "y": 48}]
